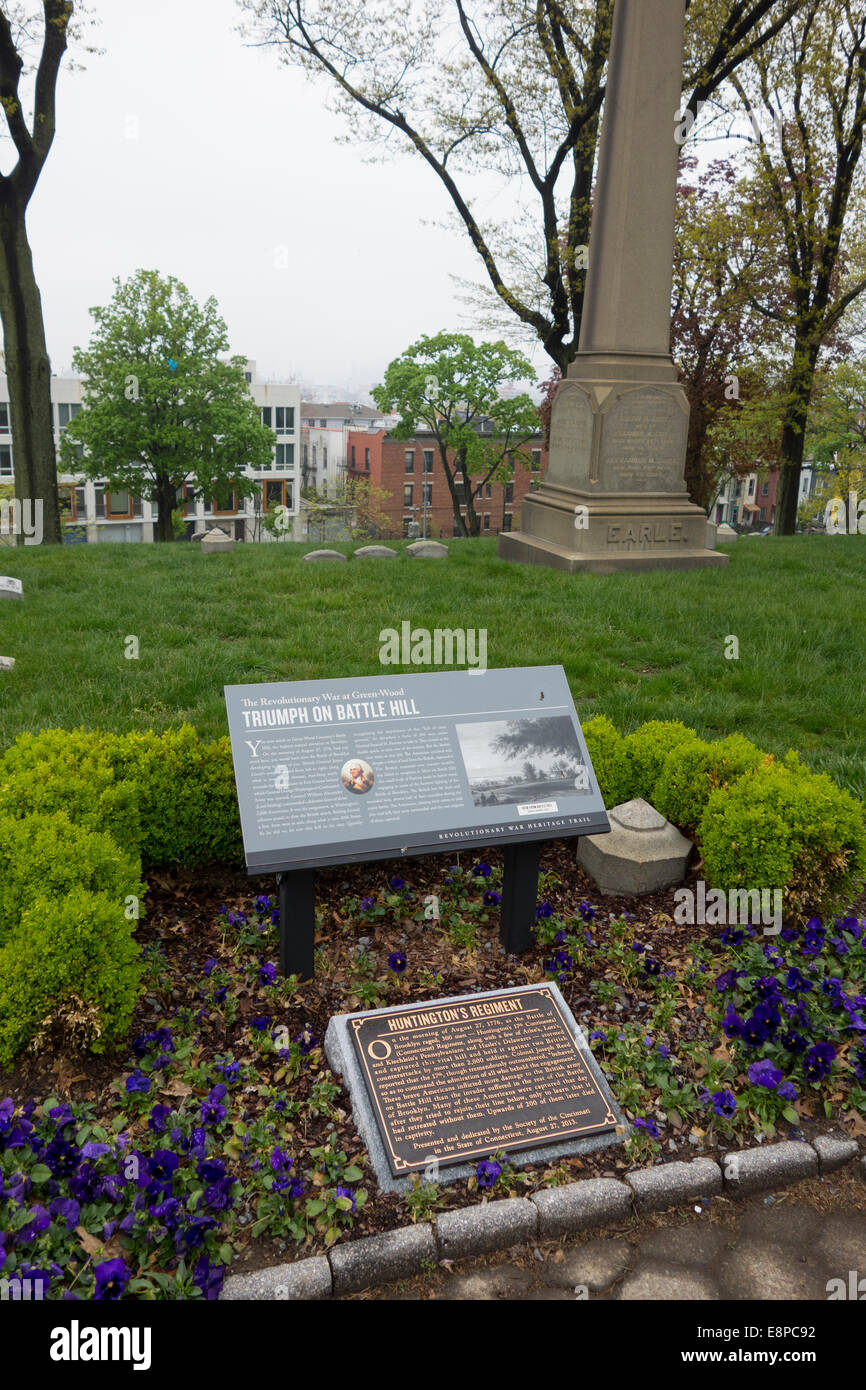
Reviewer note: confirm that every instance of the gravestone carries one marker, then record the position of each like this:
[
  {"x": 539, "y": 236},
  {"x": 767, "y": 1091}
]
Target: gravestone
[
  {"x": 324, "y": 555},
  {"x": 216, "y": 542},
  {"x": 7, "y": 663},
  {"x": 11, "y": 588},
  {"x": 438, "y": 1086},
  {"x": 725, "y": 533},
  {"x": 614, "y": 496},
  {"x": 427, "y": 550},
  {"x": 375, "y": 552}
]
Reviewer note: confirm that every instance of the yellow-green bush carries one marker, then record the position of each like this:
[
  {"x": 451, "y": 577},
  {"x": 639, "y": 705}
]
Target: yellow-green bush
[
  {"x": 48, "y": 857},
  {"x": 185, "y": 794},
  {"x": 781, "y": 826},
  {"x": 604, "y": 745},
  {"x": 70, "y": 971},
  {"x": 693, "y": 770},
  {"x": 61, "y": 770},
  {"x": 643, "y": 754}
]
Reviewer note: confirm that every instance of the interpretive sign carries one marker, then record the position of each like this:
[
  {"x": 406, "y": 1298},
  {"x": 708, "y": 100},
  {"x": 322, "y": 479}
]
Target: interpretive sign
[
  {"x": 332, "y": 772},
  {"x": 457, "y": 1079}
]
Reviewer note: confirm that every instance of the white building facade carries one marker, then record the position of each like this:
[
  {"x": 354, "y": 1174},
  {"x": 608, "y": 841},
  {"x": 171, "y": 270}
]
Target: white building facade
[{"x": 94, "y": 514}]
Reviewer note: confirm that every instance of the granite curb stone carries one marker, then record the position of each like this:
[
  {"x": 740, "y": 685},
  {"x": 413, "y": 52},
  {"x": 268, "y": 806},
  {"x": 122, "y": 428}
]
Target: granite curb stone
[
  {"x": 669, "y": 1184},
  {"x": 305, "y": 1279},
  {"x": 834, "y": 1151},
  {"x": 757, "y": 1170},
  {"x": 580, "y": 1205},
  {"x": 379, "y": 1259},
  {"x": 498, "y": 1225},
  {"x": 483, "y": 1229}
]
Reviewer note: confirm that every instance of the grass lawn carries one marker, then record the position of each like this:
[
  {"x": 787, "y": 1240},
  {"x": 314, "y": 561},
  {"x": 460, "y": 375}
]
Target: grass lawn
[{"x": 634, "y": 647}]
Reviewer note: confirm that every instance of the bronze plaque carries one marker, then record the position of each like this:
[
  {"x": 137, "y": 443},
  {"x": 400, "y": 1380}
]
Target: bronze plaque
[{"x": 455, "y": 1080}]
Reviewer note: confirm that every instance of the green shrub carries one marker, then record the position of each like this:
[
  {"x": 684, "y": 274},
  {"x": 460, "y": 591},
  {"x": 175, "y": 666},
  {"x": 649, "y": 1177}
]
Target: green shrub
[
  {"x": 58, "y": 770},
  {"x": 49, "y": 856},
  {"x": 185, "y": 793},
  {"x": 604, "y": 745},
  {"x": 781, "y": 826},
  {"x": 69, "y": 972},
  {"x": 644, "y": 752},
  {"x": 693, "y": 770}
]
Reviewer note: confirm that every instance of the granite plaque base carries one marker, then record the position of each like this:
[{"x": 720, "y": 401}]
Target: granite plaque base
[{"x": 438, "y": 1086}]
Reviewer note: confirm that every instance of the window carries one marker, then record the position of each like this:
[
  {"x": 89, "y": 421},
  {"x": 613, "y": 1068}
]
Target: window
[
  {"x": 428, "y": 460},
  {"x": 285, "y": 456},
  {"x": 486, "y": 523},
  {"x": 79, "y": 506},
  {"x": 324, "y": 457},
  {"x": 506, "y": 522},
  {"x": 765, "y": 490},
  {"x": 266, "y": 415},
  {"x": 488, "y": 491},
  {"x": 763, "y": 514},
  {"x": 285, "y": 419},
  {"x": 119, "y": 504},
  {"x": 99, "y": 502},
  {"x": 226, "y": 502},
  {"x": 407, "y": 495},
  {"x": 427, "y": 494},
  {"x": 536, "y": 460},
  {"x": 353, "y": 456},
  {"x": 323, "y": 424},
  {"x": 248, "y": 377},
  {"x": 4, "y": 417},
  {"x": 509, "y": 493},
  {"x": 367, "y": 459},
  {"x": 279, "y": 492},
  {"x": 66, "y": 502},
  {"x": 65, "y": 413},
  {"x": 410, "y": 460},
  {"x": 306, "y": 460},
  {"x": 5, "y": 461},
  {"x": 460, "y": 489},
  {"x": 751, "y": 487}
]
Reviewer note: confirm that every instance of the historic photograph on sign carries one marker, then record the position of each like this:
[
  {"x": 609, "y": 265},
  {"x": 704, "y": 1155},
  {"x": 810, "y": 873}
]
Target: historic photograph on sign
[{"x": 522, "y": 760}]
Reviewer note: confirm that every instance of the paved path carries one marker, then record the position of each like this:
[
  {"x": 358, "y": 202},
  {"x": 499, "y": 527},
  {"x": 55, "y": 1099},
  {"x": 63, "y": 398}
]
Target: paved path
[{"x": 788, "y": 1246}]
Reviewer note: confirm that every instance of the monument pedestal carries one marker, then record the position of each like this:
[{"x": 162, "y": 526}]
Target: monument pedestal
[{"x": 614, "y": 496}]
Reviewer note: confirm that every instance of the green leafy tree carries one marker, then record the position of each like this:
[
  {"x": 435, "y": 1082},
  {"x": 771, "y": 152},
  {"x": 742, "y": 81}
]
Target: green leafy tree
[
  {"x": 836, "y": 442},
  {"x": 805, "y": 94},
  {"x": 452, "y": 387},
  {"x": 161, "y": 408}
]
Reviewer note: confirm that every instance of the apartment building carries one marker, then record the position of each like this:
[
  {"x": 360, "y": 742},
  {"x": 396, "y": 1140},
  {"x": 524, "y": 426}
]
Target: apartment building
[
  {"x": 325, "y": 428},
  {"x": 96, "y": 515},
  {"x": 410, "y": 474}
]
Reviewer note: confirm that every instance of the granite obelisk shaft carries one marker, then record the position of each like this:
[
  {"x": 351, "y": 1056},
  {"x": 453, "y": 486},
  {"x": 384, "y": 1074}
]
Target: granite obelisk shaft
[{"x": 614, "y": 496}]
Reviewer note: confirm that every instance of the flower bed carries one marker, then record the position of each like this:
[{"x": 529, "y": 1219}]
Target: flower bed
[{"x": 221, "y": 1138}]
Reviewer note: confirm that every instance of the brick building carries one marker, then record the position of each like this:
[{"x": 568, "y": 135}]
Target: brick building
[{"x": 410, "y": 470}]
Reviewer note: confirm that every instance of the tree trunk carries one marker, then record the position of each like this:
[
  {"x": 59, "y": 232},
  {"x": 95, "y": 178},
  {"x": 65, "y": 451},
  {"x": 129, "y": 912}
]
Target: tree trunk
[
  {"x": 799, "y": 397},
  {"x": 787, "y": 497},
  {"x": 28, "y": 372},
  {"x": 166, "y": 502}
]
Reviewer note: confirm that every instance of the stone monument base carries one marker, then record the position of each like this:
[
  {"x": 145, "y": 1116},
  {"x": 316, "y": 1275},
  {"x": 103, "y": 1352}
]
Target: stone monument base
[{"x": 533, "y": 550}]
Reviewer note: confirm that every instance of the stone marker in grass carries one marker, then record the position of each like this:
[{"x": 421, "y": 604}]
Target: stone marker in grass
[{"x": 11, "y": 588}]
